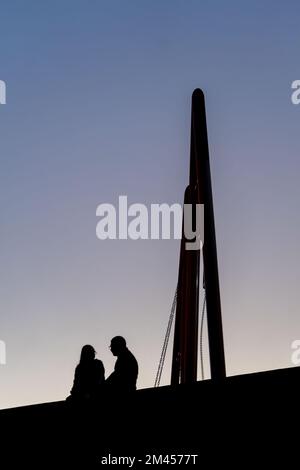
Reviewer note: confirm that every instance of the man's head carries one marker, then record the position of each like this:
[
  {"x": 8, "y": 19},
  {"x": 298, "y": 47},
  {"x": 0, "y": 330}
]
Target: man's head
[{"x": 117, "y": 345}]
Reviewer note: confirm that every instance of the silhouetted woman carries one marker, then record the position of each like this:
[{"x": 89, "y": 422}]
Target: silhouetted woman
[{"x": 89, "y": 375}]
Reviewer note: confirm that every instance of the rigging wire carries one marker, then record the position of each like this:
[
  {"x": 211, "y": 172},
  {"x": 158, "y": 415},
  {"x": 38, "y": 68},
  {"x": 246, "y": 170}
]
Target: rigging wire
[
  {"x": 166, "y": 341},
  {"x": 201, "y": 337},
  {"x": 202, "y": 325},
  {"x": 167, "y": 337}
]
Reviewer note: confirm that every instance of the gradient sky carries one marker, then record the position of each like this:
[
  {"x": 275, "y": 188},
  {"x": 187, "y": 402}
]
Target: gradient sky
[{"x": 98, "y": 105}]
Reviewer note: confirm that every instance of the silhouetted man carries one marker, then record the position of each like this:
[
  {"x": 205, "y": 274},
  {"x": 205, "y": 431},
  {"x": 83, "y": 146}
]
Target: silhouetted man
[{"x": 124, "y": 377}]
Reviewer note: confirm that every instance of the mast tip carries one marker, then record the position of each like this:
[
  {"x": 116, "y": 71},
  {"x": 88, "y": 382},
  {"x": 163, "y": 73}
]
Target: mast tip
[{"x": 198, "y": 93}]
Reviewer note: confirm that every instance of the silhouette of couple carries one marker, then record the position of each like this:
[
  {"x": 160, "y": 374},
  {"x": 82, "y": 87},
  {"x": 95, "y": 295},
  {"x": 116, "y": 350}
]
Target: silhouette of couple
[{"x": 89, "y": 379}]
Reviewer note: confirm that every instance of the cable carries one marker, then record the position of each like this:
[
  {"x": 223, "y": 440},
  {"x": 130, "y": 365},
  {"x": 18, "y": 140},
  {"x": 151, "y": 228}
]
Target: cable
[
  {"x": 166, "y": 341},
  {"x": 201, "y": 337}
]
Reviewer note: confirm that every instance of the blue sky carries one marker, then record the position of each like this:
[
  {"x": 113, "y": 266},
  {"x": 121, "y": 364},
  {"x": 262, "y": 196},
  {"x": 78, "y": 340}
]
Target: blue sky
[{"x": 98, "y": 105}]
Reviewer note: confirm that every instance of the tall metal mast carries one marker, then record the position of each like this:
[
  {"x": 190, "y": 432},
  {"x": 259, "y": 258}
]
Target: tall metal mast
[{"x": 199, "y": 191}]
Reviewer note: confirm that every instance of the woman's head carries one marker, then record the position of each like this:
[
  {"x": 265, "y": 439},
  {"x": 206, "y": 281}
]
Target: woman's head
[{"x": 88, "y": 353}]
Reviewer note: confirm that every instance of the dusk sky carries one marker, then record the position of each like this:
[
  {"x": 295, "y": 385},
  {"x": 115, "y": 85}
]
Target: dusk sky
[{"x": 98, "y": 106}]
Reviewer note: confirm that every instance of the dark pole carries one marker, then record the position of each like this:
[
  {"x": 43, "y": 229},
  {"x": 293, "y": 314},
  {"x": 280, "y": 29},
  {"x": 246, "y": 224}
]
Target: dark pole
[
  {"x": 213, "y": 303},
  {"x": 185, "y": 347}
]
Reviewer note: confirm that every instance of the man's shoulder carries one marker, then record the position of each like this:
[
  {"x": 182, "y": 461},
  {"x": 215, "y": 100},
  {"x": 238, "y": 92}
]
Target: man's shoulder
[{"x": 131, "y": 356}]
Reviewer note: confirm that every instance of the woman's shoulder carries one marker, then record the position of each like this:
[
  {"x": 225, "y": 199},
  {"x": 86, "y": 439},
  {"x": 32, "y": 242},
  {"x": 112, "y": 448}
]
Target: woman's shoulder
[{"x": 98, "y": 363}]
